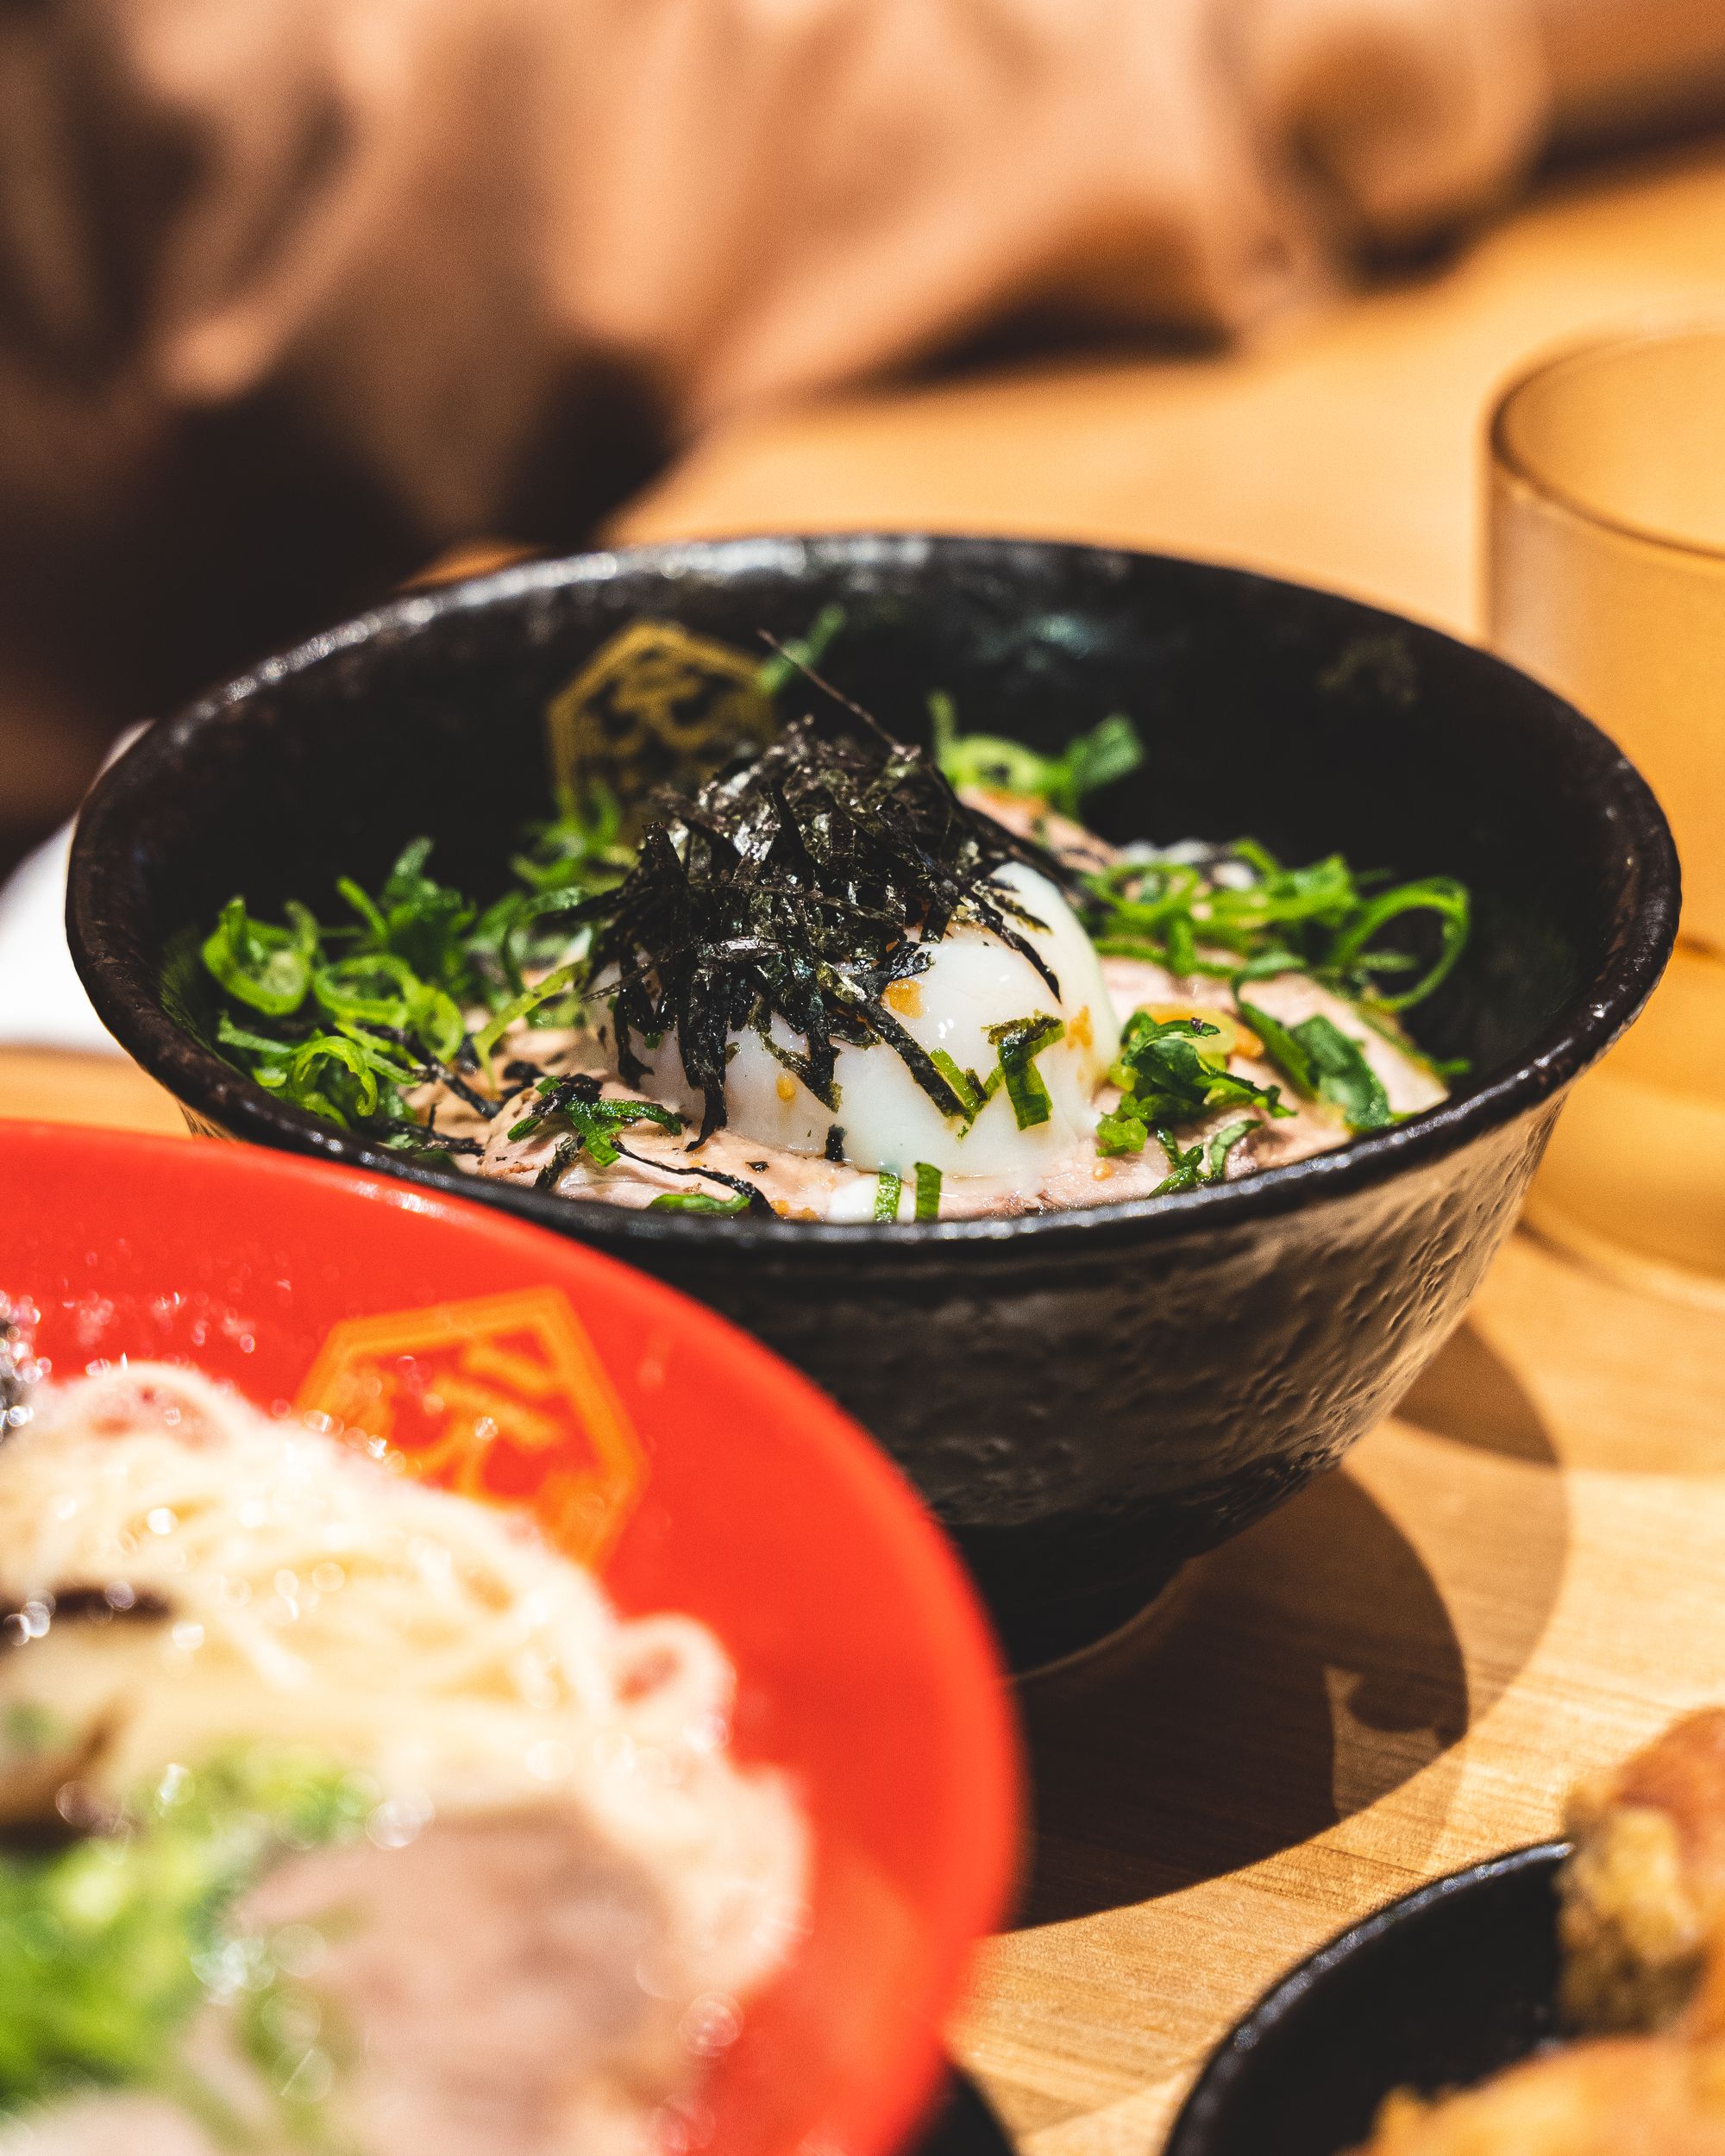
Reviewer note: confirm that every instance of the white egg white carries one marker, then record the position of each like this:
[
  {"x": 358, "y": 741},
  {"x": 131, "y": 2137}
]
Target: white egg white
[{"x": 973, "y": 981}]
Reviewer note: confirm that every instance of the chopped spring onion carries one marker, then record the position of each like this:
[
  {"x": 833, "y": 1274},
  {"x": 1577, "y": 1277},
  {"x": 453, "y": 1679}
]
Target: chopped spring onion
[
  {"x": 1018, "y": 1042},
  {"x": 697, "y": 1201},
  {"x": 259, "y": 964},
  {"x": 1322, "y": 1064},
  {"x": 1107, "y": 753}
]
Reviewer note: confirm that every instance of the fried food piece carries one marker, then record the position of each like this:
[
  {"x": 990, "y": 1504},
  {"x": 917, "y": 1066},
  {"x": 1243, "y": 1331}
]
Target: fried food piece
[
  {"x": 1643, "y": 1897},
  {"x": 1613, "y": 2096}
]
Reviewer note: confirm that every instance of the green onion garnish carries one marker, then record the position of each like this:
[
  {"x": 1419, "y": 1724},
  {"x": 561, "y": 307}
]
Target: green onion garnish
[
  {"x": 1018, "y": 1042},
  {"x": 575, "y": 1106},
  {"x": 266, "y": 967},
  {"x": 1165, "y": 1077},
  {"x": 969, "y": 1091},
  {"x": 1223, "y": 1144},
  {"x": 1264, "y": 919},
  {"x": 1323, "y": 1064},
  {"x": 697, "y": 1201},
  {"x": 1107, "y": 753}
]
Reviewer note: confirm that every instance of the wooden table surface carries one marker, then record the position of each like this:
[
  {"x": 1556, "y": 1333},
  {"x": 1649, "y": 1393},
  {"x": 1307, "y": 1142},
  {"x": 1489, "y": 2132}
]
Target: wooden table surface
[{"x": 1517, "y": 1577}]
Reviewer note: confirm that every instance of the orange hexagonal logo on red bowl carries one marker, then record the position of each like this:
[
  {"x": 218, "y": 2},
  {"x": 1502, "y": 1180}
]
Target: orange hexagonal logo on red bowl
[{"x": 503, "y": 1399}]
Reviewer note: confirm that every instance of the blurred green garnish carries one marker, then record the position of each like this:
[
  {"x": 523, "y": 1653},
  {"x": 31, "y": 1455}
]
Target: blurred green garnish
[{"x": 111, "y": 1944}]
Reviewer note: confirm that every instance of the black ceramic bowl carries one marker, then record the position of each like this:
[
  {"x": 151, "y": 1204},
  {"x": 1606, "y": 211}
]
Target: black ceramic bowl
[
  {"x": 964, "y": 2125},
  {"x": 1086, "y": 1399},
  {"x": 1435, "y": 1992}
]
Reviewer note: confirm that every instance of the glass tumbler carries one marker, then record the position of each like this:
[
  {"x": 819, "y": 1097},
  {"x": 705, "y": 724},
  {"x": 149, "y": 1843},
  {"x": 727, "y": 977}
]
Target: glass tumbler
[{"x": 1605, "y": 577}]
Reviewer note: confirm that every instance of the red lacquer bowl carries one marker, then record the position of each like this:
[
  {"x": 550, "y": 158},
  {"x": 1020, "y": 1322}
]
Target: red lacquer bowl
[{"x": 692, "y": 1468}]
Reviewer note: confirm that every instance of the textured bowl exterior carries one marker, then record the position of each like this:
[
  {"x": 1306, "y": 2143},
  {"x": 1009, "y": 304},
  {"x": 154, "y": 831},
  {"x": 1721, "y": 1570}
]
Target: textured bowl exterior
[
  {"x": 1086, "y": 1399},
  {"x": 1084, "y": 1427}
]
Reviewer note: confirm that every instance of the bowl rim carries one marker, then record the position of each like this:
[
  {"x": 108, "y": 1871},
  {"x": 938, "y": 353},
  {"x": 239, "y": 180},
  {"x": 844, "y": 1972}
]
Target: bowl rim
[
  {"x": 1600, "y": 1009},
  {"x": 1205, "y": 2107},
  {"x": 978, "y": 1881}
]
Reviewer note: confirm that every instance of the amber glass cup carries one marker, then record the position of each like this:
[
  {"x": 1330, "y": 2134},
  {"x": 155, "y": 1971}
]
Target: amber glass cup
[{"x": 1605, "y": 576}]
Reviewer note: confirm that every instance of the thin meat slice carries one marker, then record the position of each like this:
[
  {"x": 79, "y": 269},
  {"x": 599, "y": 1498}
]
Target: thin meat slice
[{"x": 493, "y": 1977}]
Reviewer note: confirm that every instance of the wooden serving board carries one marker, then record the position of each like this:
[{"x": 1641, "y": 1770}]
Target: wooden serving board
[
  {"x": 1517, "y": 1577},
  {"x": 1522, "y": 1573}
]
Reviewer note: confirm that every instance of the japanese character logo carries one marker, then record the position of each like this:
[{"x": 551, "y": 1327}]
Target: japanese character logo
[
  {"x": 502, "y": 1399},
  {"x": 655, "y": 703}
]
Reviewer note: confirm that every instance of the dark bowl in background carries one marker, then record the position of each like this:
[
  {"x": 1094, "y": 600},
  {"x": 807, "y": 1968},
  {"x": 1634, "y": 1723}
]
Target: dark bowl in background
[
  {"x": 1439, "y": 1990},
  {"x": 1086, "y": 1399}
]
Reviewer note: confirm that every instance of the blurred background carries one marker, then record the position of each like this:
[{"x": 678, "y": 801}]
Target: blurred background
[{"x": 300, "y": 298}]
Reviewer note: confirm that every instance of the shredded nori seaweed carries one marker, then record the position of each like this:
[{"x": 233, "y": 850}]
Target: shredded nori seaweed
[
  {"x": 797, "y": 886},
  {"x": 758, "y": 1200},
  {"x": 428, "y": 1136},
  {"x": 459, "y": 1086},
  {"x": 588, "y": 1122}
]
